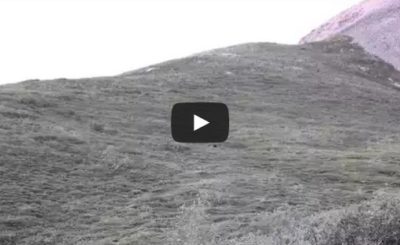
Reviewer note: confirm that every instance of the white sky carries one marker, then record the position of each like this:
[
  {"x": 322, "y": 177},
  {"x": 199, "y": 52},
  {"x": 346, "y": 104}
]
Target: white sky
[{"x": 73, "y": 39}]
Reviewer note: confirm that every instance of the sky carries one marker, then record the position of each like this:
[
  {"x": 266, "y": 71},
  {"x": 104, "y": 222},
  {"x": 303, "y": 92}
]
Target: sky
[{"x": 51, "y": 39}]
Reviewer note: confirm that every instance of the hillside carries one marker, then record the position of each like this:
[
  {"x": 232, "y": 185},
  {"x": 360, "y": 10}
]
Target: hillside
[
  {"x": 374, "y": 24},
  {"x": 312, "y": 157}
]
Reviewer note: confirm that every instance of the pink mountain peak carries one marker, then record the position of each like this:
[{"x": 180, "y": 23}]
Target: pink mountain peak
[{"x": 374, "y": 24}]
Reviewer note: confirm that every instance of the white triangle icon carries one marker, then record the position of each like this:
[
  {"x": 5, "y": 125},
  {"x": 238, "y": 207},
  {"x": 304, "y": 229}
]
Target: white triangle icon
[{"x": 199, "y": 122}]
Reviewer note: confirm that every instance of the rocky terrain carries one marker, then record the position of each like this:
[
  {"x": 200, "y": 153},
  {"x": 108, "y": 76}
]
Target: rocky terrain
[
  {"x": 313, "y": 155},
  {"x": 374, "y": 24}
]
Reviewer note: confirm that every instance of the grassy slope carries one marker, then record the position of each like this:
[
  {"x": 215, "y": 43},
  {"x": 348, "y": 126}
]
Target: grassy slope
[{"x": 91, "y": 161}]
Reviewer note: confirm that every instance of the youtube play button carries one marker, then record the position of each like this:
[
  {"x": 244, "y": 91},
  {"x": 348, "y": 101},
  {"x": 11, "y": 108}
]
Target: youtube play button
[{"x": 200, "y": 122}]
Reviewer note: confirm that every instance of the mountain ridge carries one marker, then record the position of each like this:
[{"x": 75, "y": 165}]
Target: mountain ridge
[{"x": 372, "y": 23}]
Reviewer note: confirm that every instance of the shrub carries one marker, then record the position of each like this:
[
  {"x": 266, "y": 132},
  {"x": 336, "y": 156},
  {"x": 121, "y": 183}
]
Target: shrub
[{"x": 97, "y": 127}]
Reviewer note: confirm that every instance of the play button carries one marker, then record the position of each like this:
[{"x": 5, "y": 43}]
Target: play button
[{"x": 200, "y": 122}]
